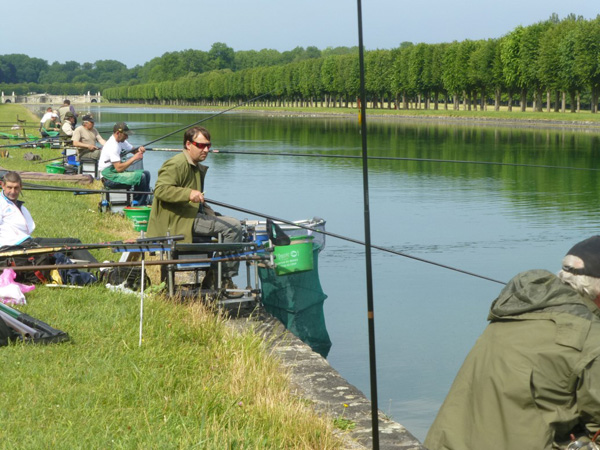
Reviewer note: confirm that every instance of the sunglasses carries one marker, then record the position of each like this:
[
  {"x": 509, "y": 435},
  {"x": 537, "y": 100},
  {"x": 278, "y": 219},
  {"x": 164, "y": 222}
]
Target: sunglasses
[{"x": 201, "y": 145}]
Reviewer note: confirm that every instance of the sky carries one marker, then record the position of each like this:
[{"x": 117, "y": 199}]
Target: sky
[{"x": 135, "y": 32}]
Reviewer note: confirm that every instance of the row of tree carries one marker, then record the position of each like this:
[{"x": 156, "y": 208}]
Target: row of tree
[
  {"x": 18, "y": 70},
  {"x": 554, "y": 62}
]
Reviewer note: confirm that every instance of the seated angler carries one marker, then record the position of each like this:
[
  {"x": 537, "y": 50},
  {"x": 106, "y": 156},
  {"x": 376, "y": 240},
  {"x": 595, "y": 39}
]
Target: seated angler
[
  {"x": 178, "y": 206},
  {"x": 17, "y": 225},
  {"x": 117, "y": 172},
  {"x": 51, "y": 127},
  {"x": 45, "y": 117},
  {"x": 85, "y": 138},
  {"x": 531, "y": 379},
  {"x": 67, "y": 129}
]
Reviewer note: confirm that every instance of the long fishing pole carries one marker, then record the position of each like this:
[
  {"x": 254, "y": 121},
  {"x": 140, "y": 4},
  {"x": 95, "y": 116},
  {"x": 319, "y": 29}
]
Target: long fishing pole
[
  {"x": 160, "y": 242},
  {"x": 32, "y": 144},
  {"x": 205, "y": 119},
  {"x": 99, "y": 265},
  {"x": 28, "y": 186},
  {"x": 76, "y": 191},
  {"x": 349, "y": 239},
  {"x": 49, "y": 160},
  {"x": 400, "y": 158},
  {"x": 367, "y": 222}
]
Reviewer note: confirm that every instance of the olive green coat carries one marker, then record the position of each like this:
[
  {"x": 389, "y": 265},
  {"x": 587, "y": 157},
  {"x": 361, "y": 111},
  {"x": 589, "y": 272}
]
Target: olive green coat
[
  {"x": 172, "y": 212},
  {"x": 531, "y": 377}
]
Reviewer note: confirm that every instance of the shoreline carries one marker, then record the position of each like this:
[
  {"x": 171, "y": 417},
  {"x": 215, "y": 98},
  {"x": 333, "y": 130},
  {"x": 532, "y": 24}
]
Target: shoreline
[
  {"x": 382, "y": 115},
  {"x": 459, "y": 118}
]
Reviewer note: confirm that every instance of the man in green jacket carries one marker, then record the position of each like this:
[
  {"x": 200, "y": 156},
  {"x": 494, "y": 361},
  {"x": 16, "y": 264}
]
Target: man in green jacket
[
  {"x": 178, "y": 206},
  {"x": 532, "y": 380}
]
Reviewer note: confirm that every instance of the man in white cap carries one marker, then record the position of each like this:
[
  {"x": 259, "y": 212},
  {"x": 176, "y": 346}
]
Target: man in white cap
[
  {"x": 531, "y": 380},
  {"x": 51, "y": 127}
]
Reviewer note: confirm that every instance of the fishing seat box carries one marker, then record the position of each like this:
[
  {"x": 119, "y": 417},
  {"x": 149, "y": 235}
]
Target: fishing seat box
[
  {"x": 89, "y": 166},
  {"x": 116, "y": 202},
  {"x": 188, "y": 274}
]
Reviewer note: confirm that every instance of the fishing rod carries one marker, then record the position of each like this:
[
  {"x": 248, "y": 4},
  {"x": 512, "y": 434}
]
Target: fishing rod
[
  {"x": 367, "y": 225},
  {"x": 198, "y": 122},
  {"x": 49, "y": 160},
  {"x": 349, "y": 239},
  {"x": 159, "y": 243},
  {"x": 100, "y": 265},
  {"x": 33, "y": 187},
  {"x": 32, "y": 144},
  {"x": 28, "y": 320},
  {"x": 266, "y": 216},
  {"x": 24, "y": 330},
  {"x": 400, "y": 158},
  {"x": 109, "y": 130}
]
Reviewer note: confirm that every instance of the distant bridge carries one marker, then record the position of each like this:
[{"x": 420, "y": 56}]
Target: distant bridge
[{"x": 50, "y": 98}]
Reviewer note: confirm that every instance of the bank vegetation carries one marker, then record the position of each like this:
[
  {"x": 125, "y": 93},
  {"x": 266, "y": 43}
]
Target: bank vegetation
[{"x": 193, "y": 383}]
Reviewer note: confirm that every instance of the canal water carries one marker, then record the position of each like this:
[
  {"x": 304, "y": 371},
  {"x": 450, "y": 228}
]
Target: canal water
[{"x": 493, "y": 220}]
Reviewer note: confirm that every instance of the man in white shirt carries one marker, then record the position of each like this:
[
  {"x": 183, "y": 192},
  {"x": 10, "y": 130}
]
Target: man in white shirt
[
  {"x": 16, "y": 223},
  {"x": 46, "y": 116},
  {"x": 117, "y": 172},
  {"x": 16, "y": 226}
]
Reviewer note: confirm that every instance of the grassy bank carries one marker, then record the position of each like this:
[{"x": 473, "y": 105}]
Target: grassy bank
[{"x": 192, "y": 384}]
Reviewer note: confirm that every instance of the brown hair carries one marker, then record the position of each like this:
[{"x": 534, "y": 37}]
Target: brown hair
[
  {"x": 12, "y": 177},
  {"x": 191, "y": 133}
]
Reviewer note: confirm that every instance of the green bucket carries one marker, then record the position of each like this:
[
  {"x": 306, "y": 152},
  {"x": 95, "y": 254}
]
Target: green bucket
[
  {"x": 296, "y": 257},
  {"x": 55, "y": 168},
  {"x": 139, "y": 215}
]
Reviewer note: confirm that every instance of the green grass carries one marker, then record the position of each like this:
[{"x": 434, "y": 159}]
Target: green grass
[{"x": 194, "y": 383}]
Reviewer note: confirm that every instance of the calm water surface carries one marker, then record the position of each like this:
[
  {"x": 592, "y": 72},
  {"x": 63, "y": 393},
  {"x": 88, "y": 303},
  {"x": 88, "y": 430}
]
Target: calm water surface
[{"x": 492, "y": 220}]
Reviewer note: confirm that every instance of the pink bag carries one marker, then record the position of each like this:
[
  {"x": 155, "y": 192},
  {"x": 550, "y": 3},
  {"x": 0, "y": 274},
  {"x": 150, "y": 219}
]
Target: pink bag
[{"x": 11, "y": 292}]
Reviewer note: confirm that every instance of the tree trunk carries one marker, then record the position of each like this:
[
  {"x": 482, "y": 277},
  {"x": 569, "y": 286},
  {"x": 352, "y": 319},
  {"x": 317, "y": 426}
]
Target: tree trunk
[
  {"x": 548, "y": 101},
  {"x": 578, "y": 102},
  {"x": 538, "y": 100},
  {"x": 436, "y": 100},
  {"x": 510, "y": 99},
  {"x": 523, "y": 100},
  {"x": 497, "y": 97}
]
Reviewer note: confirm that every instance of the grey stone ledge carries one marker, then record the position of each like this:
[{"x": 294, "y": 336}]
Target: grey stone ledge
[{"x": 313, "y": 379}]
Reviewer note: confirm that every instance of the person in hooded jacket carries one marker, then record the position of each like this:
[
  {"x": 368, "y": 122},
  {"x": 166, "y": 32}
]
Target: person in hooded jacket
[{"x": 532, "y": 380}]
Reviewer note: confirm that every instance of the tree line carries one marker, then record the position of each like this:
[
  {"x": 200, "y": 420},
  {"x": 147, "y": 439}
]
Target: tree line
[
  {"x": 553, "y": 62},
  {"x": 22, "y": 74}
]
